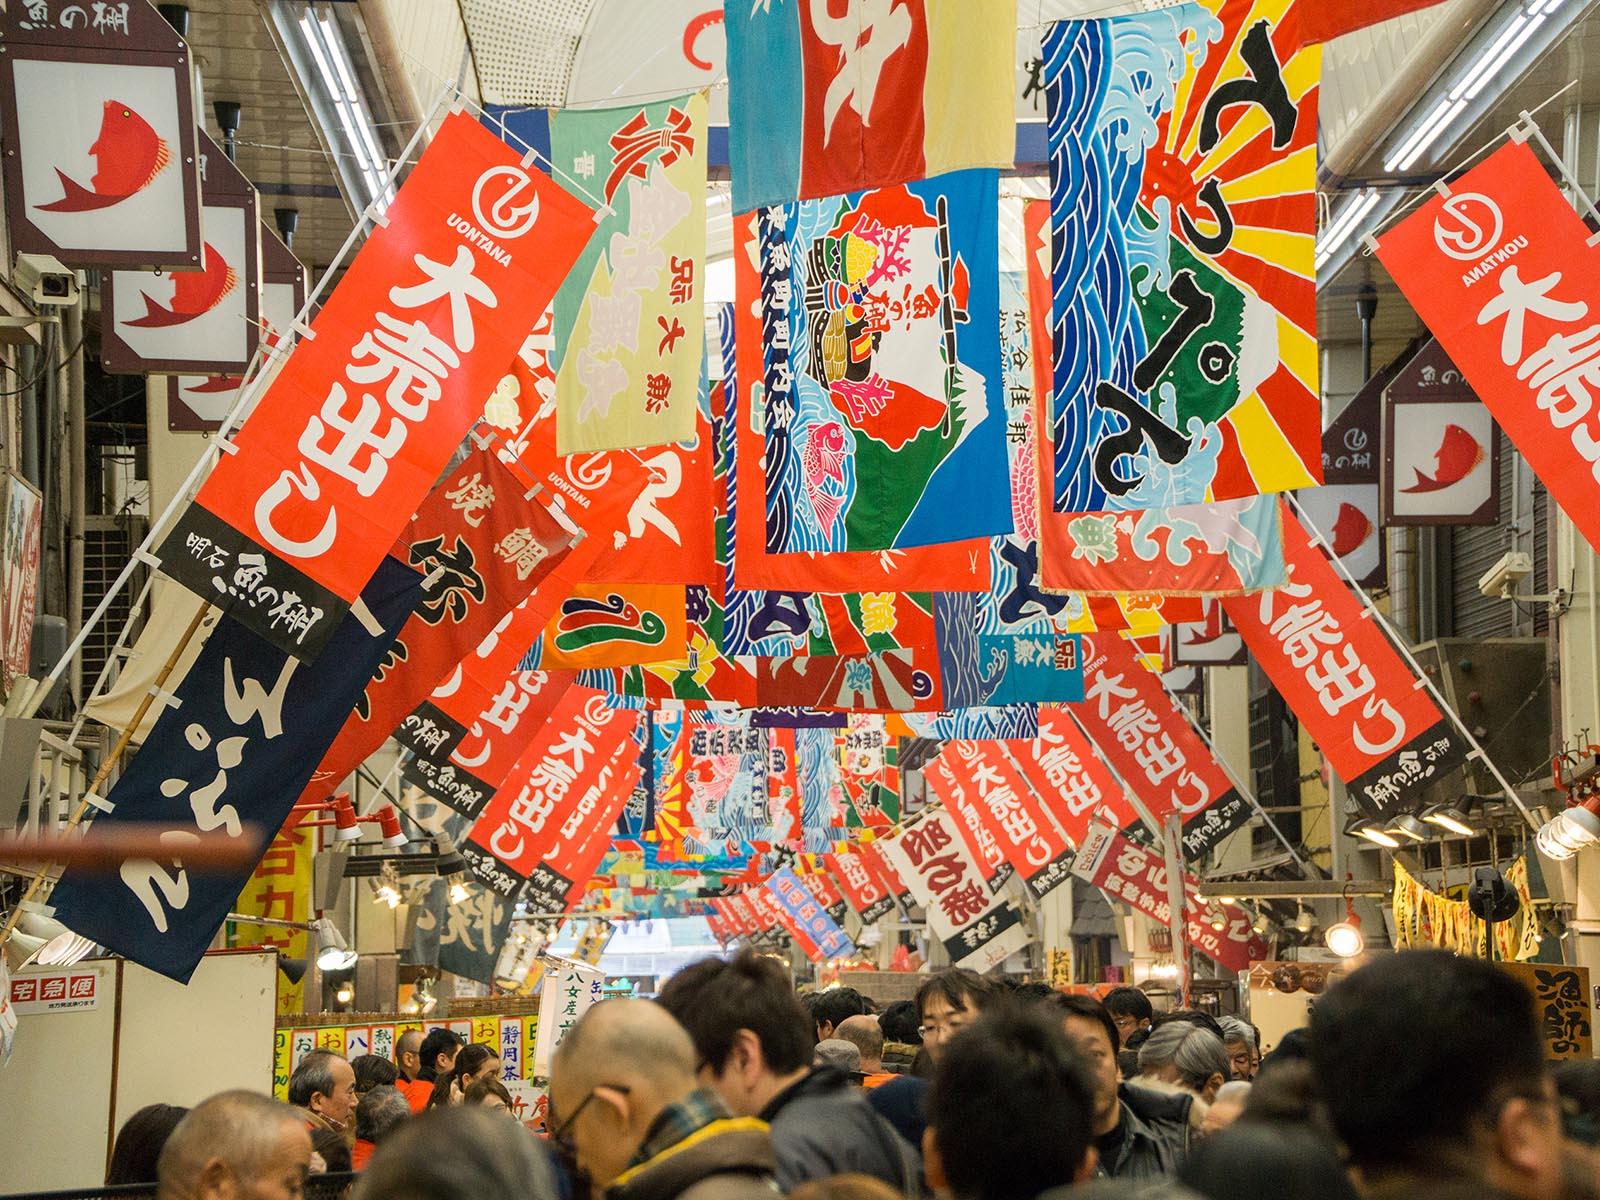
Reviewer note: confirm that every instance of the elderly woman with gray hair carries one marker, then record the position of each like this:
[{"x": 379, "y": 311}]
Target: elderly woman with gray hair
[
  {"x": 1186, "y": 1057},
  {"x": 1239, "y": 1039}
]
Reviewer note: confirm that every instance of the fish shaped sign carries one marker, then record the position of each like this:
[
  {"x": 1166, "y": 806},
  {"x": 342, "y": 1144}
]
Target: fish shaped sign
[{"x": 1441, "y": 463}]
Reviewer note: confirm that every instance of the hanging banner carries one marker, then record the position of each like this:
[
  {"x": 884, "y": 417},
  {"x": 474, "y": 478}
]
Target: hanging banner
[
  {"x": 979, "y": 930},
  {"x": 725, "y": 783},
  {"x": 1070, "y": 778},
  {"x": 867, "y": 777},
  {"x": 1137, "y": 876},
  {"x": 97, "y": 114},
  {"x": 898, "y": 681},
  {"x": 823, "y": 102},
  {"x": 1183, "y": 217},
  {"x": 1152, "y": 744},
  {"x": 1324, "y": 22},
  {"x": 881, "y": 344},
  {"x": 280, "y": 888},
  {"x": 1441, "y": 462},
  {"x": 1026, "y": 834},
  {"x": 231, "y": 752},
  {"x": 630, "y": 319},
  {"x": 950, "y": 788},
  {"x": 324, "y": 475},
  {"x": 570, "y": 990},
  {"x": 865, "y": 891},
  {"x": 614, "y": 625},
  {"x": 1368, "y": 713},
  {"x": 21, "y": 550},
  {"x": 205, "y": 320},
  {"x": 1499, "y": 271},
  {"x": 481, "y": 548},
  {"x": 804, "y": 911},
  {"x": 1350, "y": 517}
]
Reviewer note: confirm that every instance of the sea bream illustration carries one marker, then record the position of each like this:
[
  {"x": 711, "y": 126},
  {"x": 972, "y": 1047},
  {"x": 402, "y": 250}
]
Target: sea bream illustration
[
  {"x": 194, "y": 293},
  {"x": 822, "y": 459},
  {"x": 1457, "y": 457},
  {"x": 1351, "y": 530},
  {"x": 129, "y": 155}
]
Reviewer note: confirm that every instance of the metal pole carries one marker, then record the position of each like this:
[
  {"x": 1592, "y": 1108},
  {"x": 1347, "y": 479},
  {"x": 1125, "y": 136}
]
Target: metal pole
[{"x": 1177, "y": 920}]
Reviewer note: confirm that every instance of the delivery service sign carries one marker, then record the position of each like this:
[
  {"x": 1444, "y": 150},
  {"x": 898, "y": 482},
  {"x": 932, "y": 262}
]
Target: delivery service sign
[
  {"x": 1504, "y": 273},
  {"x": 370, "y": 404}
]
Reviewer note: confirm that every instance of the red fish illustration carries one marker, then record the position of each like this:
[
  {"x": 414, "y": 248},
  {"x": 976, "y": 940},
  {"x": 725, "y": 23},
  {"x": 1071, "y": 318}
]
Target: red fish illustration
[
  {"x": 215, "y": 384},
  {"x": 129, "y": 154},
  {"x": 822, "y": 460},
  {"x": 1457, "y": 457},
  {"x": 195, "y": 294},
  {"x": 1351, "y": 530}
]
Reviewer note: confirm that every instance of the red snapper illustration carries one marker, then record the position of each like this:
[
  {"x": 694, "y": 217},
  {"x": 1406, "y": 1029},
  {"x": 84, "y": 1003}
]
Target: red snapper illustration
[
  {"x": 194, "y": 294},
  {"x": 1457, "y": 457},
  {"x": 129, "y": 155}
]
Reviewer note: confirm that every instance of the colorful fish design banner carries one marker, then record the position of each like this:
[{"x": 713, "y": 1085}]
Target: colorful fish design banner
[
  {"x": 725, "y": 780},
  {"x": 361, "y": 420},
  {"x": 827, "y": 98},
  {"x": 613, "y": 625},
  {"x": 1183, "y": 217},
  {"x": 630, "y": 318},
  {"x": 882, "y": 405},
  {"x": 896, "y": 681}
]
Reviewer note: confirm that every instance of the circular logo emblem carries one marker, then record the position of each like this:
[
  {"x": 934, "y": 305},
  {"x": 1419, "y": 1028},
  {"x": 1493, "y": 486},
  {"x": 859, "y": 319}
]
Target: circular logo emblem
[
  {"x": 505, "y": 203},
  {"x": 1469, "y": 227}
]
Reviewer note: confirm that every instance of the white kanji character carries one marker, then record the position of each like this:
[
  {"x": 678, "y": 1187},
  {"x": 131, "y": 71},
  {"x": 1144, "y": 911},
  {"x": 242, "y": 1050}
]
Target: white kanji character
[
  {"x": 1517, "y": 299},
  {"x": 410, "y": 359},
  {"x": 454, "y": 282},
  {"x": 356, "y": 433}
]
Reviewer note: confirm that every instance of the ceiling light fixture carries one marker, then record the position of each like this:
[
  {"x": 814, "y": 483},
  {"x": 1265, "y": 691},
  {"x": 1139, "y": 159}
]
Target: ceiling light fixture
[
  {"x": 1450, "y": 819},
  {"x": 1371, "y": 831},
  {"x": 1345, "y": 938},
  {"x": 1566, "y": 833},
  {"x": 333, "y": 952}
]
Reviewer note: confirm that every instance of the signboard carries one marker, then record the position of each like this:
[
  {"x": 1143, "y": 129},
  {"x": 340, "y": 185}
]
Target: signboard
[
  {"x": 1349, "y": 517},
  {"x": 55, "y": 992},
  {"x": 1005, "y": 803},
  {"x": 21, "y": 534},
  {"x": 1208, "y": 643},
  {"x": 206, "y": 320},
  {"x": 1441, "y": 448},
  {"x": 363, "y": 417},
  {"x": 97, "y": 114},
  {"x": 570, "y": 990},
  {"x": 1561, "y": 1002}
]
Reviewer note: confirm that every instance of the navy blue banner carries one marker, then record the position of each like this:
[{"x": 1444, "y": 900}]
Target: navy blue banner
[{"x": 250, "y": 724}]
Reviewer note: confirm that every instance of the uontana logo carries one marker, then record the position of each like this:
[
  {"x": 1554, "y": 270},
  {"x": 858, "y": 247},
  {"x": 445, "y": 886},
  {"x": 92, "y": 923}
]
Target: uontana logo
[{"x": 1469, "y": 225}]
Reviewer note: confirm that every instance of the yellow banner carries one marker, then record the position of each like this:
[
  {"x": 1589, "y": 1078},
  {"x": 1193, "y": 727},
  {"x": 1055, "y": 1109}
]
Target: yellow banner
[{"x": 280, "y": 888}]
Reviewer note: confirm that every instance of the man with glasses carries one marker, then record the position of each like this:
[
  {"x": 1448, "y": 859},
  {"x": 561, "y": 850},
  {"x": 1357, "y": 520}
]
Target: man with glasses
[
  {"x": 1130, "y": 1011},
  {"x": 626, "y": 1113}
]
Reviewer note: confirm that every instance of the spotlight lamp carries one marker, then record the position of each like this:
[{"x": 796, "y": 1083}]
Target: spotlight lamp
[
  {"x": 1450, "y": 819},
  {"x": 1409, "y": 827},
  {"x": 1371, "y": 831},
  {"x": 389, "y": 826},
  {"x": 450, "y": 861},
  {"x": 346, "y": 828},
  {"x": 388, "y": 886},
  {"x": 333, "y": 952},
  {"x": 1568, "y": 832},
  {"x": 1345, "y": 938},
  {"x": 458, "y": 890}
]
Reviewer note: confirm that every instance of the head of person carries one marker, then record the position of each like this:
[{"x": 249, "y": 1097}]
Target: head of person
[
  {"x": 408, "y": 1054},
  {"x": 1189, "y": 1016},
  {"x": 332, "y": 1155},
  {"x": 839, "y": 1054},
  {"x": 380, "y": 1112},
  {"x": 236, "y": 1146},
  {"x": 1011, "y": 1109},
  {"x": 848, "y": 1186},
  {"x": 1433, "y": 1065},
  {"x": 833, "y": 1007},
  {"x": 372, "y": 1070},
  {"x": 1239, "y": 1039},
  {"x": 866, "y": 1035},
  {"x": 618, "y": 1068},
  {"x": 949, "y": 1002},
  {"x": 1227, "y": 1108},
  {"x": 488, "y": 1093},
  {"x": 1187, "y": 1057},
  {"x": 438, "y": 1053},
  {"x": 456, "y": 1154},
  {"x": 752, "y": 1037},
  {"x": 1578, "y": 1088},
  {"x": 1093, "y": 1034},
  {"x": 473, "y": 1063},
  {"x": 139, "y": 1143},
  {"x": 324, "y": 1084},
  {"x": 1130, "y": 1009},
  {"x": 1267, "y": 1162},
  {"x": 900, "y": 1023},
  {"x": 1032, "y": 993}
]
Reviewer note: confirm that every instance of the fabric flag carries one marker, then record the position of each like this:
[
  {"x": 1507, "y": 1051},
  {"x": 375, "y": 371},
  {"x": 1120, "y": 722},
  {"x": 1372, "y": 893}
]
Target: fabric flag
[
  {"x": 482, "y": 547},
  {"x": 882, "y": 870},
  {"x": 958, "y": 566},
  {"x": 895, "y": 681},
  {"x": 882, "y": 379},
  {"x": 1154, "y": 746},
  {"x": 613, "y": 625},
  {"x": 1025, "y": 832},
  {"x": 950, "y": 786},
  {"x": 827, "y": 98},
  {"x": 630, "y": 318},
  {"x": 1183, "y": 215},
  {"x": 1014, "y": 721},
  {"x": 1368, "y": 712},
  {"x": 979, "y": 930},
  {"x": 1066, "y": 771},
  {"x": 865, "y": 891},
  {"x": 230, "y": 752},
  {"x": 1324, "y": 22},
  {"x": 1501, "y": 269},
  {"x": 291, "y": 524},
  {"x": 871, "y": 798},
  {"x": 725, "y": 775},
  {"x": 702, "y": 676},
  {"x": 1137, "y": 876},
  {"x": 804, "y": 911}
]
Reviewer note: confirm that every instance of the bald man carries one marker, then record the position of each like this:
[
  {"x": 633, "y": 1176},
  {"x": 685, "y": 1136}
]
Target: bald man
[
  {"x": 866, "y": 1035},
  {"x": 408, "y": 1060},
  {"x": 624, "y": 1102},
  {"x": 236, "y": 1146}
]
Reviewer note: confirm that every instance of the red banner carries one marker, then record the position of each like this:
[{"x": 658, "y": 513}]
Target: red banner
[
  {"x": 1062, "y": 766},
  {"x": 865, "y": 892},
  {"x": 1325, "y": 21},
  {"x": 1137, "y": 876},
  {"x": 1151, "y": 743},
  {"x": 366, "y": 411},
  {"x": 894, "y": 681},
  {"x": 1503, "y": 272},
  {"x": 878, "y": 863},
  {"x": 1011, "y": 814},
  {"x": 1359, "y": 700},
  {"x": 951, "y": 789}
]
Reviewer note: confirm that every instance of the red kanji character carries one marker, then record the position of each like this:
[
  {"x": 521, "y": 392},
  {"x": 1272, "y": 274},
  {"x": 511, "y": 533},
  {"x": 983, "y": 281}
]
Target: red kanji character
[
  {"x": 681, "y": 290},
  {"x": 657, "y": 387},
  {"x": 670, "y": 334}
]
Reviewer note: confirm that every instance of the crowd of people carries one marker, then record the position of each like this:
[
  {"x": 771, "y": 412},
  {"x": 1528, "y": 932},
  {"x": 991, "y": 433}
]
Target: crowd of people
[{"x": 1421, "y": 1076}]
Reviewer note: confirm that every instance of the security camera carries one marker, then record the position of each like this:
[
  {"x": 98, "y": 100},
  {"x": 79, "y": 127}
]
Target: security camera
[
  {"x": 1500, "y": 580},
  {"x": 46, "y": 282}
]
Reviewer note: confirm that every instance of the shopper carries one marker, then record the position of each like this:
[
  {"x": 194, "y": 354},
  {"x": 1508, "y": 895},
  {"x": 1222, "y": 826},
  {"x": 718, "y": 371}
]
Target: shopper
[
  {"x": 1011, "y": 1111},
  {"x": 372, "y": 1070},
  {"x": 625, "y": 1106},
  {"x": 1227, "y": 1108},
  {"x": 1267, "y": 1162},
  {"x": 1240, "y": 1041},
  {"x": 1186, "y": 1057},
  {"x": 834, "y": 1006},
  {"x": 472, "y": 1063},
  {"x": 139, "y": 1144},
  {"x": 236, "y": 1145},
  {"x": 901, "y": 1041},
  {"x": 323, "y": 1087},
  {"x": 378, "y": 1114},
  {"x": 753, "y": 1038},
  {"x": 1130, "y": 1010},
  {"x": 438, "y": 1054},
  {"x": 458, "y": 1154},
  {"x": 838, "y": 1053},
  {"x": 1432, "y": 1070},
  {"x": 330, "y": 1153},
  {"x": 408, "y": 1060},
  {"x": 488, "y": 1093},
  {"x": 866, "y": 1035},
  {"x": 1138, "y": 1132}
]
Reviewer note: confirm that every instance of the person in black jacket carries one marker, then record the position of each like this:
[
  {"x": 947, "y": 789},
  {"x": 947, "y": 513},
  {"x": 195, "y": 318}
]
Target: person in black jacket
[
  {"x": 1139, "y": 1133},
  {"x": 754, "y": 1042}
]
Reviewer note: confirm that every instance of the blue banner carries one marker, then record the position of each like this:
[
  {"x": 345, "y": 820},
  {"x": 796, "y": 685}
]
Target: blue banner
[
  {"x": 232, "y": 752},
  {"x": 798, "y": 901}
]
